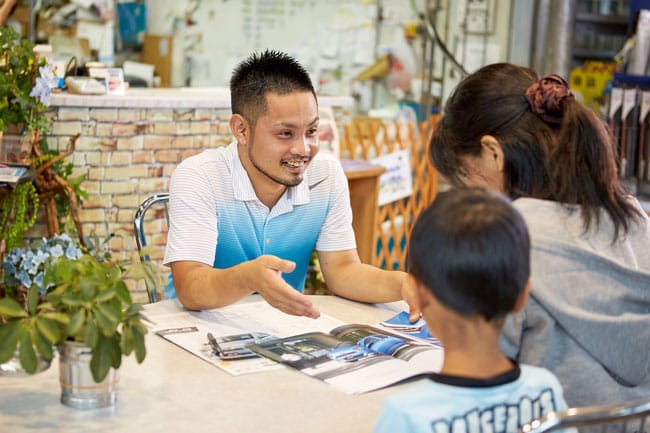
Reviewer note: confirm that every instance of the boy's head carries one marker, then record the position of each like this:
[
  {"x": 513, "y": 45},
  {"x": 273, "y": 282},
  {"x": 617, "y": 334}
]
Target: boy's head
[
  {"x": 470, "y": 249},
  {"x": 261, "y": 73}
]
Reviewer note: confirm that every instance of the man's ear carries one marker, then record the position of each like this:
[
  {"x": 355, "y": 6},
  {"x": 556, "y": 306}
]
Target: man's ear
[
  {"x": 523, "y": 297},
  {"x": 239, "y": 128},
  {"x": 491, "y": 149}
]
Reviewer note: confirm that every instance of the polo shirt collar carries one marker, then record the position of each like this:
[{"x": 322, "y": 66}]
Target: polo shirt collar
[{"x": 295, "y": 195}]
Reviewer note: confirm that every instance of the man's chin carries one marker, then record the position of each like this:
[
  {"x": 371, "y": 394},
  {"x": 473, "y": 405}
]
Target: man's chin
[{"x": 295, "y": 181}]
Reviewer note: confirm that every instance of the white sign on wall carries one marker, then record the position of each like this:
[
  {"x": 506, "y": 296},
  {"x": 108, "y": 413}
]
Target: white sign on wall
[{"x": 397, "y": 180}]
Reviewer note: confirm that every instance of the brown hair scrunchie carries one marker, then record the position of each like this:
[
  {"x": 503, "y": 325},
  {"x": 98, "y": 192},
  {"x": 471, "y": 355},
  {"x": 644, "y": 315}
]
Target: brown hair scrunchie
[{"x": 544, "y": 97}]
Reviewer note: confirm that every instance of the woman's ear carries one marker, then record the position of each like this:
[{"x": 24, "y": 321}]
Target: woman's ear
[
  {"x": 239, "y": 128},
  {"x": 523, "y": 297},
  {"x": 491, "y": 149}
]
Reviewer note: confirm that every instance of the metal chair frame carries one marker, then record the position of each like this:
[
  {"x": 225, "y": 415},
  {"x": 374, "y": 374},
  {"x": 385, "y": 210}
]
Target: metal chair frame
[
  {"x": 140, "y": 236},
  {"x": 619, "y": 415}
]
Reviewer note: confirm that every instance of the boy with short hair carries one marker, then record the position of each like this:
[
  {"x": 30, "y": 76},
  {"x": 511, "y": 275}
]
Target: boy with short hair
[{"x": 469, "y": 259}]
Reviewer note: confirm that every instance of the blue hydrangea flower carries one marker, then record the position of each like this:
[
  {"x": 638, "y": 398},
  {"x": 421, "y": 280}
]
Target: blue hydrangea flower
[
  {"x": 38, "y": 280},
  {"x": 56, "y": 251},
  {"x": 72, "y": 252},
  {"x": 24, "y": 278},
  {"x": 10, "y": 267},
  {"x": 44, "y": 84},
  {"x": 26, "y": 266},
  {"x": 14, "y": 256}
]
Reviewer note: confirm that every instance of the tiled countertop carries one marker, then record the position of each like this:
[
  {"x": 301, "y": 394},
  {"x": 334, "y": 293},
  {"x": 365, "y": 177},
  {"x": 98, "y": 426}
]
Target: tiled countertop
[{"x": 191, "y": 97}]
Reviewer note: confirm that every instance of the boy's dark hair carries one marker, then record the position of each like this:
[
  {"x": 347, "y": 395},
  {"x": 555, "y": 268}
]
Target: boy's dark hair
[
  {"x": 471, "y": 249},
  {"x": 269, "y": 71}
]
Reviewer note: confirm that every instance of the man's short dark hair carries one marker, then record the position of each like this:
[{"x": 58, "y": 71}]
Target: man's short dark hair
[
  {"x": 471, "y": 249},
  {"x": 269, "y": 71}
]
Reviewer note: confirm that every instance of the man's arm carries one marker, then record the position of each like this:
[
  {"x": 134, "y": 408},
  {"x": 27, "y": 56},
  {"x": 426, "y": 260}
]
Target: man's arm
[
  {"x": 200, "y": 286},
  {"x": 346, "y": 276}
]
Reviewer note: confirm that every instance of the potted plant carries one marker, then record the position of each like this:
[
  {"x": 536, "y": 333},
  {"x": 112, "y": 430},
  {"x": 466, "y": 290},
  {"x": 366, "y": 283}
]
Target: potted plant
[
  {"x": 75, "y": 300},
  {"x": 24, "y": 322},
  {"x": 23, "y": 98},
  {"x": 26, "y": 83}
]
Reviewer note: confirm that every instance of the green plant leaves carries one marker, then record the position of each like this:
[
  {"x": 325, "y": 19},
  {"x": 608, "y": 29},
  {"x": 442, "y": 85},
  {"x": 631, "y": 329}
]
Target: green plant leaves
[
  {"x": 8, "y": 340},
  {"x": 11, "y": 308},
  {"x": 100, "y": 362},
  {"x": 17, "y": 74},
  {"x": 115, "y": 351},
  {"x": 138, "y": 336},
  {"x": 106, "y": 295},
  {"x": 76, "y": 323},
  {"x": 26, "y": 354},
  {"x": 62, "y": 318},
  {"x": 127, "y": 342},
  {"x": 107, "y": 318},
  {"x": 144, "y": 270},
  {"x": 49, "y": 329},
  {"x": 92, "y": 334},
  {"x": 32, "y": 299},
  {"x": 90, "y": 303},
  {"x": 42, "y": 344}
]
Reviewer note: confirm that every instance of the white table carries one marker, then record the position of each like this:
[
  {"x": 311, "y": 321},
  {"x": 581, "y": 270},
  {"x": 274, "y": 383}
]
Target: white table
[{"x": 175, "y": 391}]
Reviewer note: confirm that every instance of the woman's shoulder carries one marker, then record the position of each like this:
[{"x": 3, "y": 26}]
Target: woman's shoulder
[
  {"x": 538, "y": 212},
  {"x": 544, "y": 212}
]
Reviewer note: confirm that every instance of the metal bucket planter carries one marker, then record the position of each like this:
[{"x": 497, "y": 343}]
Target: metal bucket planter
[{"x": 78, "y": 388}]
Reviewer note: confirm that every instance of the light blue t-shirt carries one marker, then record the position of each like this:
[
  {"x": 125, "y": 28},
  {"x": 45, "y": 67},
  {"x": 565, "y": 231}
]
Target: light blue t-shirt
[
  {"x": 217, "y": 219},
  {"x": 502, "y": 405}
]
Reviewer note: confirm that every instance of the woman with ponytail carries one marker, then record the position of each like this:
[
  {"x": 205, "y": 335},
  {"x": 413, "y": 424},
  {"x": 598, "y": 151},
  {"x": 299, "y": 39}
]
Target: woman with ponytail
[{"x": 588, "y": 317}]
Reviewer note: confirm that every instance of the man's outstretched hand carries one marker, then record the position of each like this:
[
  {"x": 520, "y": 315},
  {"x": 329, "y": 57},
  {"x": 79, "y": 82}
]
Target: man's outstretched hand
[{"x": 266, "y": 272}]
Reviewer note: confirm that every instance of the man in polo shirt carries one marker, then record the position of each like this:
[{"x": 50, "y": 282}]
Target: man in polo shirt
[{"x": 245, "y": 218}]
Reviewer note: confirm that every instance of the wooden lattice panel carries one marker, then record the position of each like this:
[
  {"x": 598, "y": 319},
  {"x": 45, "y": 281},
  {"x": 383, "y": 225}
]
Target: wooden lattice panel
[{"x": 366, "y": 138}]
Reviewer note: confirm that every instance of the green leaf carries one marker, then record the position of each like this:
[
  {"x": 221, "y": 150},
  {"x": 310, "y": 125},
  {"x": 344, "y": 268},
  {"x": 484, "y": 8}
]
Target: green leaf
[
  {"x": 105, "y": 320},
  {"x": 133, "y": 310},
  {"x": 43, "y": 346},
  {"x": 72, "y": 301},
  {"x": 123, "y": 293},
  {"x": 32, "y": 299},
  {"x": 76, "y": 323},
  {"x": 11, "y": 308},
  {"x": 138, "y": 338},
  {"x": 62, "y": 318},
  {"x": 127, "y": 342},
  {"x": 8, "y": 339},
  {"x": 92, "y": 334},
  {"x": 105, "y": 295},
  {"x": 100, "y": 362},
  {"x": 115, "y": 351},
  {"x": 49, "y": 329},
  {"x": 88, "y": 288},
  {"x": 27, "y": 355},
  {"x": 144, "y": 271}
]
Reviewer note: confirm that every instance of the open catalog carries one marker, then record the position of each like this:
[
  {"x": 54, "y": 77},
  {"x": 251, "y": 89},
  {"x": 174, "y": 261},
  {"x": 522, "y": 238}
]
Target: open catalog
[
  {"x": 356, "y": 358},
  {"x": 254, "y": 337},
  {"x": 220, "y": 336}
]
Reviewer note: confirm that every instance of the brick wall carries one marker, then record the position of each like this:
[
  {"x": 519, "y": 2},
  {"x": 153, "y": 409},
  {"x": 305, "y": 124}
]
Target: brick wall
[{"x": 126, "y": 155}]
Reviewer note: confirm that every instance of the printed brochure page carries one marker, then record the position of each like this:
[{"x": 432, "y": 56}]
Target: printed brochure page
[
  {"x": 233, "y": 328},
  {"x": 252, "y": 337},
  {"x": 356, "y": 358}
]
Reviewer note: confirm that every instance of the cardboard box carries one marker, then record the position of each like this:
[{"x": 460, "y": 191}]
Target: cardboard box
[{"x": 165, "y": 53}]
